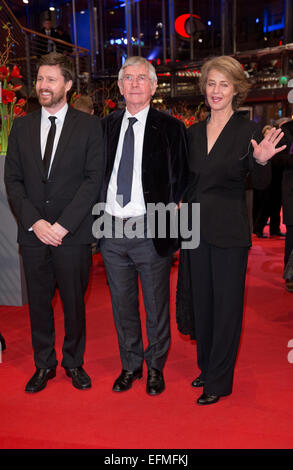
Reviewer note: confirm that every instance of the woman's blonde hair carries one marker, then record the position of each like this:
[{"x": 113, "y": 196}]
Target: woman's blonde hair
[{"x": 233, "y": 70}]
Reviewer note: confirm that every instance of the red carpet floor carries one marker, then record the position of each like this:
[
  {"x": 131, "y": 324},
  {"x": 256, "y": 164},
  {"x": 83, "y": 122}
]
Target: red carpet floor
[{"x": 258, "y": 415}]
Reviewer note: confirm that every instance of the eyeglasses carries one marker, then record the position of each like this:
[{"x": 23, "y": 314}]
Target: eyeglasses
[{"x": 138, "y": 78}]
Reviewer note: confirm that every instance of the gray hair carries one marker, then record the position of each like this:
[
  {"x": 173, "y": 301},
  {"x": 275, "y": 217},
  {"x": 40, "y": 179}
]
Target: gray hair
[{"x": 137, "y": 60}]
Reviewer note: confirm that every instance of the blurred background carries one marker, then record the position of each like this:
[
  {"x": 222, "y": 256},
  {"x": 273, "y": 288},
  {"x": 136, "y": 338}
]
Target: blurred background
[{"x": 175, "y": 35}]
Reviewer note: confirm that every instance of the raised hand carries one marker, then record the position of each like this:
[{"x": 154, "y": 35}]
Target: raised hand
[{"x": 266, "y": 149}]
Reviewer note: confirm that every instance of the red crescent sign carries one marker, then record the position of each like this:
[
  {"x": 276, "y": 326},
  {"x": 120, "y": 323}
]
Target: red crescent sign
[{"x": 180, "y": 24}]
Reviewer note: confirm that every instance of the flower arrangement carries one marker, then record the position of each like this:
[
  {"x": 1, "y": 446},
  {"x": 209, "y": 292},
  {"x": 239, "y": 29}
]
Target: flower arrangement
[
  {"x": 74, "y": 97},
  {"x": 109, "y": 105},
  {"x": 182, "y": 112},
  {"x": 10, "y": 106}
]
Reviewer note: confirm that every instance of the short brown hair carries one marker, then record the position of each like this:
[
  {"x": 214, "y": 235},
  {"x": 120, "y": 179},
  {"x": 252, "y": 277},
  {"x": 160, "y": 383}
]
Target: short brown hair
[
  {"x": 63, "y": 61},
  {"x": 84, "y": 103},
  {"x": 233, "y": 70}
]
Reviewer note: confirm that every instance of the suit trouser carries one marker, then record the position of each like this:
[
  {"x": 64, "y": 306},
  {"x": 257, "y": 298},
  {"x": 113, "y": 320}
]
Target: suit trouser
[
  {"x": 288, "y": 243},
  {"x": 218, "y": 282},
  {"x": 67, "y": 267},
  {"x": 126, "y": 260},
  {"x": 270, "y": 204}
]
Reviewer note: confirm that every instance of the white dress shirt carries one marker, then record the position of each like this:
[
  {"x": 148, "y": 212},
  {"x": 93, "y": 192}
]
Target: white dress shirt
[
  {"x": 45, "y": 127},
  {"x": 136, "y": 206}
]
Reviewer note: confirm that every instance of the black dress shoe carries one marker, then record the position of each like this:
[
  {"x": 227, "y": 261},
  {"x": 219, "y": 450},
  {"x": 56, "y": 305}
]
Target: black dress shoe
[
  {"x": 198, "y": 382},
  {"x": 208, "y": 399},
  {"x": 80, "y": 379},
  {"x": 39, "y": 380},
  {"x": 125, "y": 379},
  {"x": 155, "y": 382},
  {"x": 2, "y": 342}
]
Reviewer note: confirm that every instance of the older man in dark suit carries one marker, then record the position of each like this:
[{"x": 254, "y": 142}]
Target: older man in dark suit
[
  {"x": 146, "y": 163},
  {"x": 53, "y": 174}
]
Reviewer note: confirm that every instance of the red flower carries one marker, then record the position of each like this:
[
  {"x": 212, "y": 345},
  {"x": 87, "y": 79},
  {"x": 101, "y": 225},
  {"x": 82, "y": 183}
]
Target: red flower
[
  {"x": 15, "y": 73},
  {"x": 21, "y": 102},
  {"x": 16, "y": 87},
  {"x": 18, "y": 111},
  {"x": 8, "y": 96},
  {"x": 110, "y": 104},
  {"x": 4, "y": 71}
]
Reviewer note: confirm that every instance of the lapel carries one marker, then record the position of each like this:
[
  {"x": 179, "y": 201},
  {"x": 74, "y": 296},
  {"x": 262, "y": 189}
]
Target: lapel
[
  {"x": 66, "y": 132},
  {"x": 227, "y": 133},
  {"x": 112, "y": 133},
  {"x": 151, "y": 134},
  {"x": 35, "y": 140},
  {"x": 199, "y": 141}
]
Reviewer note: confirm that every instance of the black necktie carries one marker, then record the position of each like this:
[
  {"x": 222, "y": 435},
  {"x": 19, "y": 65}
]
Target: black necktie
[
  {"x": 49, "y": 145},
  {"x": 125, "y": 171}
]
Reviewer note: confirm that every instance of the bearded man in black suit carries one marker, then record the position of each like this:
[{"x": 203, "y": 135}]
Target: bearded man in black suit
[
  {"x": 146, "y": 163},
  {"x": 53, "y": 173}
]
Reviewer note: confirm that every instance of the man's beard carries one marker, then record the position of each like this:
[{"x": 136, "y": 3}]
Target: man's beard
[{"x": 55, "y": 99}]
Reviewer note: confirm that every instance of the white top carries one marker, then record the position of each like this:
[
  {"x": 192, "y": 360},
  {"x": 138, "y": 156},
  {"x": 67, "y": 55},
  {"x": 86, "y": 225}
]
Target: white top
[
  {"x": 45, "y": 127},
  {"x": 136, "y": 206}
]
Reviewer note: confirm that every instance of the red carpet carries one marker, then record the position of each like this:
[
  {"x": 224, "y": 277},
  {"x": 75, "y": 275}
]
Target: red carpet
[{"x": 258, "y": 415}]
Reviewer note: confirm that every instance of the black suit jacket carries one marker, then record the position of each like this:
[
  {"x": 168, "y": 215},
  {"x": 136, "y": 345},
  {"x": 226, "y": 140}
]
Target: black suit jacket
[
  {"x": 286, "y": 159},
  {"x": 43, "y": 43},
  {"x": 220, "y": 179},
  {"x": 164, "y": 162},
  {"x": 68, "y": 195}
]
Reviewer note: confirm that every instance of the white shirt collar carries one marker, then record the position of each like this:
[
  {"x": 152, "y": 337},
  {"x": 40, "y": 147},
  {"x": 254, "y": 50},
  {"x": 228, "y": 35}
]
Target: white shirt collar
[
  {"x": 59, "y": 115},
  {"x": 141, "y": 116}
]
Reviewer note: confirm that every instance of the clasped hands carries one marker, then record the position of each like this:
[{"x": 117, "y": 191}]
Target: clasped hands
[
  {"x": 50, "y": 234},
  {"x": 266, "y": 149}
]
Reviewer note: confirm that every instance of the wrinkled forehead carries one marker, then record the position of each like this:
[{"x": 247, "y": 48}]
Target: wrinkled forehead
[{"x": 136, "y": 70}]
